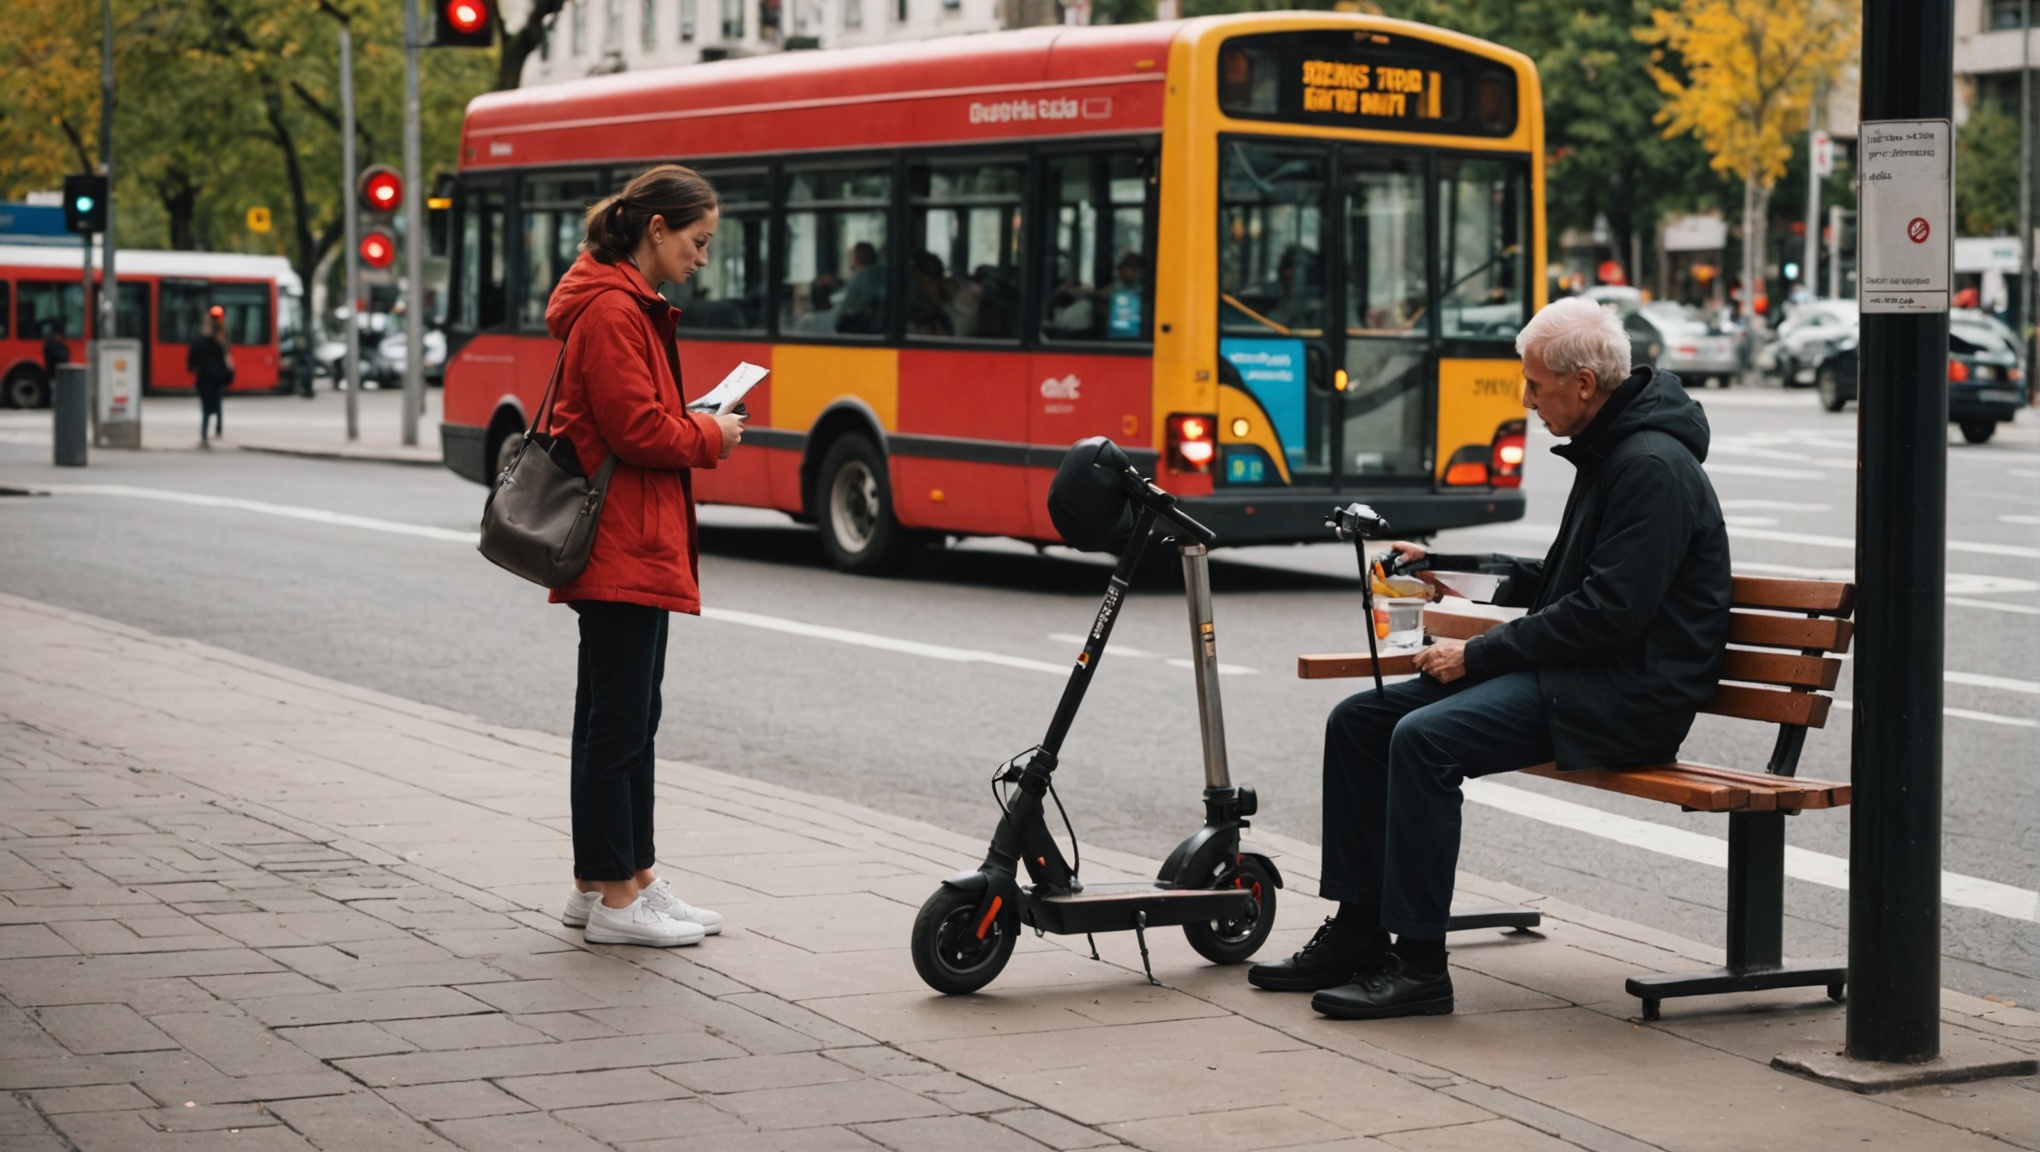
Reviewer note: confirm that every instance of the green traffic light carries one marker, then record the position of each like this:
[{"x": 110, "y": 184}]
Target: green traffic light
[{"x": 84, "y": 204}]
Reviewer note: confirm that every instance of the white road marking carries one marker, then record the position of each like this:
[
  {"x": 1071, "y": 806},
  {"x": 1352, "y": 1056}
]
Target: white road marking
[
  {"x": 2004, "y": 683},
  {"x": 1773, "y": 506},
  {"x": 883, "y": 643},
  {"x": 1819, "y": 541},
  {"x": 1968, "y": 714},
  {"x": 1750, "y": 521},
  {"x": 2020, "y": 609},
  {"x": 1699, "y": 848},
  {"x": 2028, "y": 473},
  {"x": 2017, "y": 518},
  {"x": 1143, "y": 654},
  {"x": 288, "y": 511},
  {"x": 1766, "y": 473}
]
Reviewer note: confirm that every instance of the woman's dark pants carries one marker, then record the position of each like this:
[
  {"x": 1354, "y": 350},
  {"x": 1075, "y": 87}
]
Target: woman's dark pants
[
  {"x": 1392, "y": 772},
  {"x": 616, "y": 715},
  {"x": 209, "y": 410}
]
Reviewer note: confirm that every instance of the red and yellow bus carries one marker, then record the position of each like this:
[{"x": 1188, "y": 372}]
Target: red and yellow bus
[
  {"x": 1281, "y": 259},
  {"x": 163, "y": 296}
]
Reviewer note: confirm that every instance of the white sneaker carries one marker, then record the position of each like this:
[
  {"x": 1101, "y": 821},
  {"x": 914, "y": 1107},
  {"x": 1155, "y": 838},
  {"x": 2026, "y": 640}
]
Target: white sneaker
[
  {"x": 578, "y": 906},
  {"x": 639, "y": 923},
  {"x": 660, "y": 896}
]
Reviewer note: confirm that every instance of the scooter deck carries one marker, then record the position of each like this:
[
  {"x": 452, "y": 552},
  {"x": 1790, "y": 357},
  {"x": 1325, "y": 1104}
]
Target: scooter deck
[{"x": 1111, "y": 907}]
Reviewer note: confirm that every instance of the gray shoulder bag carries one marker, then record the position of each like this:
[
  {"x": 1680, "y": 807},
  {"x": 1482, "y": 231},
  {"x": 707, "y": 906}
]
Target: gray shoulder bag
[{"x": 540, "y": 518}]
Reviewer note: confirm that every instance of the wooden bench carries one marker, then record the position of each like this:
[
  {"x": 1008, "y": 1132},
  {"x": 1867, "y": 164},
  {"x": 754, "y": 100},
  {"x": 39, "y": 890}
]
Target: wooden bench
[{"x": 1784, "y": 639}]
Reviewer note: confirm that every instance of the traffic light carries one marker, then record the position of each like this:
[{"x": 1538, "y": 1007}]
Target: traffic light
[
  {"x": 463, "y": 24},
  {"x": 85, "y": 204},
  {"x": 378, "y": 249},
  {"x": 381, "y": 188}
]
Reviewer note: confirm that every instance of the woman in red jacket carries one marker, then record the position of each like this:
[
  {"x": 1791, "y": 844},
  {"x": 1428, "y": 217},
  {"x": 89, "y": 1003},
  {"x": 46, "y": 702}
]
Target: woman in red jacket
[{"x": 619, "y": 393}]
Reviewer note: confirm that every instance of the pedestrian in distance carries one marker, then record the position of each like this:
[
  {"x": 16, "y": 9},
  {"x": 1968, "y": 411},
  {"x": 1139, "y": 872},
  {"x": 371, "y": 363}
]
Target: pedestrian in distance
[
  {"x": 55, "y": 352},
  {"x": 212, "y": 370},
  {"x": 619, "y": 393},
  {"x": 1627, "y": 623}
]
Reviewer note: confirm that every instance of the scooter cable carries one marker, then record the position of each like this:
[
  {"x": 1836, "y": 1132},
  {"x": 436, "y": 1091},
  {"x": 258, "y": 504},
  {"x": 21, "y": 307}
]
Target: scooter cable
[{"x": 1004, "y": 773}]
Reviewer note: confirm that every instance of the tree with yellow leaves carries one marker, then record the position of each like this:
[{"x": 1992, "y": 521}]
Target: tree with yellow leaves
[{"x": 1751, "y": 68}]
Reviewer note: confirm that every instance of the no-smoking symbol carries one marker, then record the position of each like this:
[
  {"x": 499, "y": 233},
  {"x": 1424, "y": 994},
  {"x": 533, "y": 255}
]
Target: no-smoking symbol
[{"x": 1916, "y": 230}]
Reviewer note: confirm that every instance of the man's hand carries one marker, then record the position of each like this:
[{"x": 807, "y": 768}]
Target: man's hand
[
  {"x": 1444, "y": 661},
  {"x": 1409, "y": 551}
]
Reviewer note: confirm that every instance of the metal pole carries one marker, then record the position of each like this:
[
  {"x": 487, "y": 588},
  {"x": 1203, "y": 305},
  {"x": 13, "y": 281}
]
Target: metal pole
[
  {"x": 1835, "y": 252},
  {"x": 353, "y": 235},
  {"x": 414, "y": 236},
  {"x": 2024, "y": 321},
  {"x": 1809, "y": 272},
  {"x": 1901, "y": 527},
  {"x": 109, "y": 302}
]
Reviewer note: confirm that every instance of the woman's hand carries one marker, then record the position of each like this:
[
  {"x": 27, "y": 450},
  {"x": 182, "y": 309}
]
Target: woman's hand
[{"x": 732, "y": 425}]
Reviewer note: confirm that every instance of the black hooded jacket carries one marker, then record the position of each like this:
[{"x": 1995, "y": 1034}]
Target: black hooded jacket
[{"x": 1629, "y": 609}]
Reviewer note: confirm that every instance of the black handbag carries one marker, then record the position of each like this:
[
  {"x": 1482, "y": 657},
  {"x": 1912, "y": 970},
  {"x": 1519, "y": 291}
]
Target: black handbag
[{"x": 540, "y": 519}]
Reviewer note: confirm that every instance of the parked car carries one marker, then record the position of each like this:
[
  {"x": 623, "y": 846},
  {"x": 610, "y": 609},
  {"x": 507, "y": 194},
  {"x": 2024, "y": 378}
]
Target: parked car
[
  {"x": 1624, "y": 299},
  {"x": 394, "y": 351},
  {"x": 1812, "y": 332},
  {"x": 1677, "y": 338},
  {"x": 1984, "y": 386}
]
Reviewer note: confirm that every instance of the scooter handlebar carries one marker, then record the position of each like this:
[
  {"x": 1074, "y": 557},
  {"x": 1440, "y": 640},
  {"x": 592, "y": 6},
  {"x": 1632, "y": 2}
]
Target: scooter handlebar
[{"x": 1166, "y": 505}]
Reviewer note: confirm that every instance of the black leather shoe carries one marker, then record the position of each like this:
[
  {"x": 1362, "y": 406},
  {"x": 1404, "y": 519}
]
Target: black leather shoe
[
  {"x": 1385, "y": 989},
  {"x": 1329, "y": 960}
]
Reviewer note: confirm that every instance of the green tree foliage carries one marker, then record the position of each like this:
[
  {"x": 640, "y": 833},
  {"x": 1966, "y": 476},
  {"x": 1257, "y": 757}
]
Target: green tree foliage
[
  {"x": 222, "y": 106},
  {"x": 1987, "y": 173}
]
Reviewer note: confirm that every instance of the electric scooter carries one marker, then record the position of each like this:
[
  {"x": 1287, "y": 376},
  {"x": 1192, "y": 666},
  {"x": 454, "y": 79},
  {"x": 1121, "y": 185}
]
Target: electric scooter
[{"x": 1222, "y": 896}]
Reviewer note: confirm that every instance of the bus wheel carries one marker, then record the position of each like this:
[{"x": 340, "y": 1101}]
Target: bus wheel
[
  {"x": 853, "y": 506},
  {"x": 26, "y": 388}
]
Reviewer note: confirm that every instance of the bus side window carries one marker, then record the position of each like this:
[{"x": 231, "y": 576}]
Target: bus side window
[
  {"x": 247, "y": 312},
  {"x": 44, "y": 306},
  {"x": 180, "y": 305},
  {"x": 1099, "y": 263},
  {"x": 481, "y": 264},
  {"x": 836, "y": 257},
  {"x": 729, "y": 294},
  {"x": 553, "y": 211},
  {"x": 964, "y": 277},
  {"x": 6, "y": 313}
]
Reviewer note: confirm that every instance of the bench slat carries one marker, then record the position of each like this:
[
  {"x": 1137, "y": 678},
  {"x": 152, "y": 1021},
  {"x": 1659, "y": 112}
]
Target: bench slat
[
  {"x": 1706, "y": 788},
  {"x": 1780, "y": 668},
  {"x": 1457, "y": 625},
  {"x": 1340, "y": 666},
  {"x": 1825, "y": 633},
  {"x": 1769, "y": 705},
  {"x": 1829, "y": 597}
]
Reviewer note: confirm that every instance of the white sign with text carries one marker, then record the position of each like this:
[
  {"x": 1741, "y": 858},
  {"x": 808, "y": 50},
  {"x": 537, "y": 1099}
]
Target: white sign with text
[{"x": 1906, "y": 221}]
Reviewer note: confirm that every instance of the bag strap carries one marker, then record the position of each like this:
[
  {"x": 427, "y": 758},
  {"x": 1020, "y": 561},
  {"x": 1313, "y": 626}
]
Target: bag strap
[{"x": 543, "y": 417}]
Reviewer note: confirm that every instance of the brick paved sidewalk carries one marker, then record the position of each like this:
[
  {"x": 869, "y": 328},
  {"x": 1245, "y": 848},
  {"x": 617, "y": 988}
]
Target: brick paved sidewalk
[{"x": 243, "y": 907}]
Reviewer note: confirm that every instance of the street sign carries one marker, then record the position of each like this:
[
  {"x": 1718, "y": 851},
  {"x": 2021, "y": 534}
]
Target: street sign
[
  {"x": 1823, "y": 154},
  {"x": 258, "y": 219},
  {"x": 1905, "y": 220}
]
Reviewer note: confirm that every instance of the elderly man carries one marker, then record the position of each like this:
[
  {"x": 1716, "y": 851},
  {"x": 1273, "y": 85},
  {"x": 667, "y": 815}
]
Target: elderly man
[{"x": 1628, "y": 616}]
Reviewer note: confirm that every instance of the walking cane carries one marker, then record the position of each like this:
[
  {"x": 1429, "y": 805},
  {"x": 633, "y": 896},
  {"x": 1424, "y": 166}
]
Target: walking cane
[{"x": 1352, "y": 523}]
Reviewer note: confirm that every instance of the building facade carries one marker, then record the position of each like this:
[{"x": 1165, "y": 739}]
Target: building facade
[{"x": 595, "y": 37}]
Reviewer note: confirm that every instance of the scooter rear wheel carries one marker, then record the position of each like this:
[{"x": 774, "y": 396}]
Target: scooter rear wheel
[
  {"x": 1234, "y": 941},
  {"x": 950, "y": 952}
]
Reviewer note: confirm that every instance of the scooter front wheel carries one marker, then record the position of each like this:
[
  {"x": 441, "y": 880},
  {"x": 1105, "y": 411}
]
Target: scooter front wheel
[
  {"x": 1234, "y": 941},
  {"x": 957, "y": 949}
]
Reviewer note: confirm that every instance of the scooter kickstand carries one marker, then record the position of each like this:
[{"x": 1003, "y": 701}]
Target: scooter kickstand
[
  {"x": 1093, "y": 942},
  {"x": 1140, "y": 934}
]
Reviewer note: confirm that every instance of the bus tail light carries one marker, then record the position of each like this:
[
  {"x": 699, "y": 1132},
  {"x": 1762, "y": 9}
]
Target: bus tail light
[
  {"x": 1505, "y": 464},
  {"x": 1957, "y": 372},
  {"x": 1193, "y": 441}
]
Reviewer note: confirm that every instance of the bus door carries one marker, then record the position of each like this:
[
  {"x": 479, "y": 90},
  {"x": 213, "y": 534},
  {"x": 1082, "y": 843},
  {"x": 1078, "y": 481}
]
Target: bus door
[
  {"x": 180, "y": 309},
  {"x": 1277, "y": 353},
  {"x": 134, "y": 324},
  {"x": 1388, "y": 358}
]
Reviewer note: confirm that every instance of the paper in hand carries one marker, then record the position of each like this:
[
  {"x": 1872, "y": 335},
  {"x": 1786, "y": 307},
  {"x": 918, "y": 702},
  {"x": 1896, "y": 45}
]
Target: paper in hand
[{"x": 731, "y": 391}]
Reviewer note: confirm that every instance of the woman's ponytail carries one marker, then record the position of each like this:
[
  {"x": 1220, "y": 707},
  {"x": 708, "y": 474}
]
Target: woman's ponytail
[{"x": 616, "y": 225}]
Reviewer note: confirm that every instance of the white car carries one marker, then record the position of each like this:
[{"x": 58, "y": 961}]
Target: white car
[
  {"x": 1676, "y": 338},
  {"x": 1805, "y": 339}
]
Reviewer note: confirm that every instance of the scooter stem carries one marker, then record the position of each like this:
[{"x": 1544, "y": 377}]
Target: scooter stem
[{"x": 1204, "y": 660}]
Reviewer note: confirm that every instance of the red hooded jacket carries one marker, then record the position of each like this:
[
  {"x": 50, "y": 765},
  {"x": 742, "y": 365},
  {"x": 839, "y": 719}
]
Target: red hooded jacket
[{"x": 619, "y": 392}]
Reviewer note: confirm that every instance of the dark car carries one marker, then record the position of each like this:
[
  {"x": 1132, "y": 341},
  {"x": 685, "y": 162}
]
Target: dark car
[{"x": 1984, "y": 387}]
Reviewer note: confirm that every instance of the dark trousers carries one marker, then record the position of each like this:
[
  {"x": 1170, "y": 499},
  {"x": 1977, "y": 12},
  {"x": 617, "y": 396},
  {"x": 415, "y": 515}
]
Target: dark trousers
[
  {"x": 616, "y": 715},
  {"x": 1392, "y": 771},
  {"x": 209, "y": 410}
]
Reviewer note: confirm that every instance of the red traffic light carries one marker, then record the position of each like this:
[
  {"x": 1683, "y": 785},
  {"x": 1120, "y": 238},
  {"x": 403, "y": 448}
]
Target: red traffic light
[
  {"x": 378, "y": 250},
  {"x": 466, "y": 16},
  {"x": 382, "y": 189}
]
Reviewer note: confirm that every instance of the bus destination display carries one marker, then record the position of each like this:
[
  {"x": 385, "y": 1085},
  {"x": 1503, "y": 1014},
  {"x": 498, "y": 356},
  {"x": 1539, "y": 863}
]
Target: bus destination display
[
  {"x": 1365, "y": 79},
  {"x": 1370, "y": 89}
]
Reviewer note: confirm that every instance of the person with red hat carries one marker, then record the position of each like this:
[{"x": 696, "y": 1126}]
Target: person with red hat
[{"x": 212, "y": 369}]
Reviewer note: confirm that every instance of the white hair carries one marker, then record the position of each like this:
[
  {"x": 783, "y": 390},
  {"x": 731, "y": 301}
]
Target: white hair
[{"x": 1576, "y": 333}]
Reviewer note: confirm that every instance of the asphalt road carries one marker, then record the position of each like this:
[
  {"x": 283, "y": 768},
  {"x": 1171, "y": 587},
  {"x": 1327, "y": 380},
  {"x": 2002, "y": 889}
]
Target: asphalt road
[{"x": 904, "y": 694}]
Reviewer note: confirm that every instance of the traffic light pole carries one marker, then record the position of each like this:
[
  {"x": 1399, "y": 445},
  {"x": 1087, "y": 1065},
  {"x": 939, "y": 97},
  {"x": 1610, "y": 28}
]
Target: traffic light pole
[
  {"x": 109, "y": 301},
  {"x": 414, "y": 235},
  {"x": 352, "y": 229}
]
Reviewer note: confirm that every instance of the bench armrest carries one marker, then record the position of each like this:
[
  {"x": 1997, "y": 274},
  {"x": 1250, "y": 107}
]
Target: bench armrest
[{"x": 1438, "y": 622}]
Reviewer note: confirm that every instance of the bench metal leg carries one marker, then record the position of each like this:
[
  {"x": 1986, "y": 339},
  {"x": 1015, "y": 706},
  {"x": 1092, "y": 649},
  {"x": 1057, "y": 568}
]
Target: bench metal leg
[{"x": 1756, "y": 926}]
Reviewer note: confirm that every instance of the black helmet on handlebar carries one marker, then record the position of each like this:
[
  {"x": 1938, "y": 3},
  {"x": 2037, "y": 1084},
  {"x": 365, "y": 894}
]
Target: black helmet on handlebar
[{"x": 1087, "y": 500}]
